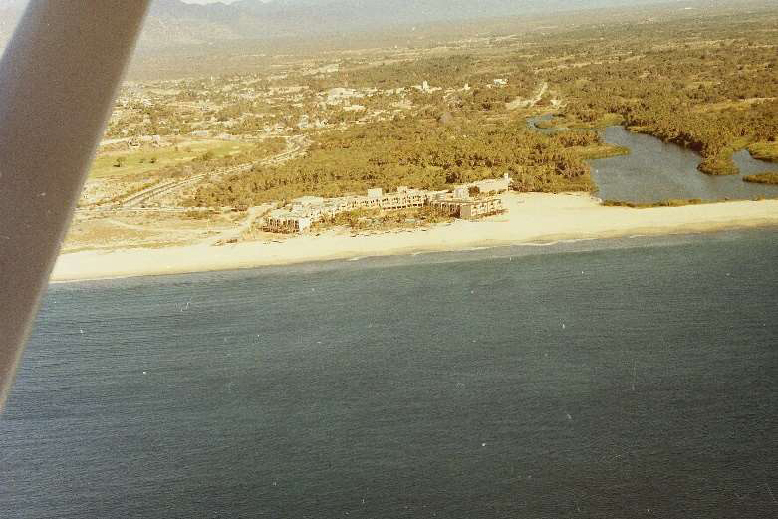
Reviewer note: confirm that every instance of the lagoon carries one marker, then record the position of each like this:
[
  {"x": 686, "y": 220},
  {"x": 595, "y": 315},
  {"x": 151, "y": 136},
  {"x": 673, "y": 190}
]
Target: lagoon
[{"x": 655, "y": 171}]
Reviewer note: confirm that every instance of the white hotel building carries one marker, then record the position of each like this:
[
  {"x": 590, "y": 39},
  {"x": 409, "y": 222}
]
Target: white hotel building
[{"x": 303, "y": 212}]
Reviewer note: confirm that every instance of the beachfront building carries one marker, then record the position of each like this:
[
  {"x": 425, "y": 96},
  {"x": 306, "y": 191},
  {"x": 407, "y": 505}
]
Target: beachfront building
[
  {"x": 307, "y": 202},
  {"x": 286, "y": 222},
  {"x": 449, "y": 206},
  {"x": 468, "y": 208},
  {"x": 403, "y": 199},
  {"x": 481, "y": 207},
  {"x": 461, "y": 192},
  {"x": 303, "y": 212}
]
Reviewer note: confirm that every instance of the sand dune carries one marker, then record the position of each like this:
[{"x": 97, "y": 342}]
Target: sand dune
[{"x": 531, "y": 218}]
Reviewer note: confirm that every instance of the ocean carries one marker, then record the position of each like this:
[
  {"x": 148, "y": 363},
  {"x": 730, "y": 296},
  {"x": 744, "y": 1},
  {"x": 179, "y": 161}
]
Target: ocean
[{"x": 606, "y": 379}]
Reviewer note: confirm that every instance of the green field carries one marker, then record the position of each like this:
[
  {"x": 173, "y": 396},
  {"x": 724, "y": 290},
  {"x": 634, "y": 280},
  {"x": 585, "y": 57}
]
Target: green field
[{"x": 147, "y": 159}]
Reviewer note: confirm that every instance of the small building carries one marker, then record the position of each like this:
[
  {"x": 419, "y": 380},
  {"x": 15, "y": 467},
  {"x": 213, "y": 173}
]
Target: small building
[
  {"x": 375, "y": 193},
  {"x": 479, "y": 208},
  {"x": 462, "y": 192},
  {"x": 470, "y": 208},
  {"x": 403, "y": 200},
  {"x": 448, "y": 206},
  {"x": 287, "y": 222},
  {"x": 306, "y": 201},
  {"x": 437, "y": 195}
]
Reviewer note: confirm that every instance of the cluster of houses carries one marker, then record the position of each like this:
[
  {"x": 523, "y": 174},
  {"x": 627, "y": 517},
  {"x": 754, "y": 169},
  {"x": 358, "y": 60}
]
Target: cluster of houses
[{"x": 303, "y": 212}]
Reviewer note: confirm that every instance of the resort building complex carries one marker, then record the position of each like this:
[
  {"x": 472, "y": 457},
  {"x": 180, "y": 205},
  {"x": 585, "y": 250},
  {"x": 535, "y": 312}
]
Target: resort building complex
[
  {"x": 468, "y": 201},
  {"x": 468, "y": 208}
]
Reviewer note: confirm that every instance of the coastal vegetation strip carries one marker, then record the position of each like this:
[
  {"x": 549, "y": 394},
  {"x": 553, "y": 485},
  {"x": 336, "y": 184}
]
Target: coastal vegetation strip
[
  {"x": 602, "y": 151},
  {"x": 420, "y": 153},
  {"x": 678, "y": 202},
  {"x": 764, "y": 151},
  {"x": 673, "y": 202},
  {"x": 770, "y": 177}
]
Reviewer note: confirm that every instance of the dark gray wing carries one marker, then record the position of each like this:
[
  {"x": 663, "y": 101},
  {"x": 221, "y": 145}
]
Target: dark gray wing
[{"x": 58, "y": 79}]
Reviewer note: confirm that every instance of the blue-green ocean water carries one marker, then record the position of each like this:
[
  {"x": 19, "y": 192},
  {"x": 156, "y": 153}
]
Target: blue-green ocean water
[{"x": 624, "y": 378}]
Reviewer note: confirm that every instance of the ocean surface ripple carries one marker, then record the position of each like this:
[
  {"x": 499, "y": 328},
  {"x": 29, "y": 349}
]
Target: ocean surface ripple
[{"x": 623, "y": 378}]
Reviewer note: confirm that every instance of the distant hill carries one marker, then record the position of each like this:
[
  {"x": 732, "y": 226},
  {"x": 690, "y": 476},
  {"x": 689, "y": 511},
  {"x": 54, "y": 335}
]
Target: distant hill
[{"x": 174, "y": 23}]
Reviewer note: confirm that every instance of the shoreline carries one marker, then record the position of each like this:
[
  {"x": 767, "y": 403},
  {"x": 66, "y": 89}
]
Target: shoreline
[{"x": 532, "y": 219}]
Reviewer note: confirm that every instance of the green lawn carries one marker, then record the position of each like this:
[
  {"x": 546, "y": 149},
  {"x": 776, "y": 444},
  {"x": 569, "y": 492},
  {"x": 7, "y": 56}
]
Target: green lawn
[{"x": 140, "y": 161}]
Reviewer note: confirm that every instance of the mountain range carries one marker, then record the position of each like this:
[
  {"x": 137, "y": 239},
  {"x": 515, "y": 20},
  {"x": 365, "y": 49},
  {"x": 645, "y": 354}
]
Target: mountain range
[{"x": 175, "y": 23}]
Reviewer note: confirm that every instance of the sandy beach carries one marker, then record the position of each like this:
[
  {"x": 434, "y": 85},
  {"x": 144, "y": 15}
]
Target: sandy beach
[{"x": 531, "y": 217}]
